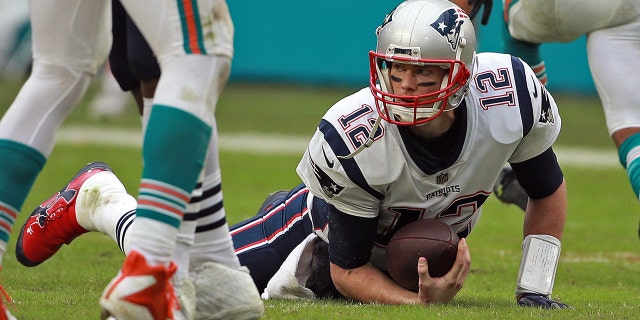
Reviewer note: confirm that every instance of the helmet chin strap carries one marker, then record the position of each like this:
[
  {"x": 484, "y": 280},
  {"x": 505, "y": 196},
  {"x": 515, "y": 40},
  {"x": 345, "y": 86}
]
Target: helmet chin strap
[
  {"x": 454, "y": 101},
  {"x": 367, "y": 143},
  {"x": 456, "y": 98},
  {"x": 383, "y": 76}
]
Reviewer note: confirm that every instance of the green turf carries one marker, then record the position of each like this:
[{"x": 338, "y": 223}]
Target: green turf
[{"x": 598, "y": 275}]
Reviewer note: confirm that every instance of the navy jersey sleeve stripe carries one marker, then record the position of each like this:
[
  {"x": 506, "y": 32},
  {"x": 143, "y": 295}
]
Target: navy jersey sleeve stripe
[
  {"x": 350, "y": 165},
  {"x": 540, "y": 176},
  {"x": 524, "y": 100}
]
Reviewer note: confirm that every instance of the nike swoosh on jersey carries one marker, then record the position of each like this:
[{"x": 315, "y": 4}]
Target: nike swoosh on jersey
[{"x": 329, "y": 163}]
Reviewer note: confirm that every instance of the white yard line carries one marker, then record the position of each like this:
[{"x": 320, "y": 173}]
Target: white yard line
[{"x": 295, "y": 145}]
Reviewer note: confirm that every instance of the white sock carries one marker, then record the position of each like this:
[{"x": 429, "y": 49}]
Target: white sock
[
  {"x": 102, "y": 200},
  {"x": 212, "y": 239},
  {"x": 154, "y": 240}
]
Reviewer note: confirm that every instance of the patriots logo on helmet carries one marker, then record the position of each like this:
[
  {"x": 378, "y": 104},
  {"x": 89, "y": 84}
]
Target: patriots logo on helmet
[
  {"x": 388, "y": 18},
  {"x": 448, "y": 25}
]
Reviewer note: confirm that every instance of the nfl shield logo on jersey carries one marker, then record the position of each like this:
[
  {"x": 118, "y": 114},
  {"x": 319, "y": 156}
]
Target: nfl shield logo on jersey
[{"x": 442, "y": 178}]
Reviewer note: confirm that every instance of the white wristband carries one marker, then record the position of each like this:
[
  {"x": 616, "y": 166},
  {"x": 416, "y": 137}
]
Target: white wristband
[{"x": 540, "y": 255}]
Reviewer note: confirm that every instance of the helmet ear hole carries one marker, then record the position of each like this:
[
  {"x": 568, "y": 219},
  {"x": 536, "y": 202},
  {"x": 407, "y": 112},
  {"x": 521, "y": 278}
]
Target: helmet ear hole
[{"x": 385, "y": 82}]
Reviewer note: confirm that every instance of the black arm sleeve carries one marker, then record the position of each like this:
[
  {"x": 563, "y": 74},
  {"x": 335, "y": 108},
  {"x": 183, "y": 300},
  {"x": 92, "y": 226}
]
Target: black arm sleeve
[
  {"x": 540, "y": 176},
  {"x": 351, "y": 239}
]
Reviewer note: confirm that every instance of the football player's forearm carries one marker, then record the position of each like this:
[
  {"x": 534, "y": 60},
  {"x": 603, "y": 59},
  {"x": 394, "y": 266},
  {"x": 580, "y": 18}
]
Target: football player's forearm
[
  {"x": 543, "y": 228},
  {"x": 367, "y": 284},
  {"x": 547, "y": 215}
]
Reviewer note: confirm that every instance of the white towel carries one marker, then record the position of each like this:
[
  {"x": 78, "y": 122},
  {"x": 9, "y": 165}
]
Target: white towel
[{"x": 289, "y": 280}]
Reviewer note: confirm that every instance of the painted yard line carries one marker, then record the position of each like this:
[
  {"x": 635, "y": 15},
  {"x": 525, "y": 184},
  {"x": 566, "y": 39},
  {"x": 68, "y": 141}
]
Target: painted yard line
[{"x": 295, "y": 145}]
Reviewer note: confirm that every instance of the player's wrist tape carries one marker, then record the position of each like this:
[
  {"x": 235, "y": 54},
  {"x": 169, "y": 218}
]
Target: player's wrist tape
[{"x": 540, "y": 255}]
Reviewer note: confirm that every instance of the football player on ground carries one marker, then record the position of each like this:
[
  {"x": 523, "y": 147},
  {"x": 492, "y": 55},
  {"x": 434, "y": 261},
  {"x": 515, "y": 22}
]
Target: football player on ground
[
  {"x": 612, "y": 29},
  {"x": 426, "y": 140},
  {"x": 71, "y": 40}
]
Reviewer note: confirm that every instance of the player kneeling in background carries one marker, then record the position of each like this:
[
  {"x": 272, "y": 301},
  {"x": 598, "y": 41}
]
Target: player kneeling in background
[{"x": 426, "y": 140}]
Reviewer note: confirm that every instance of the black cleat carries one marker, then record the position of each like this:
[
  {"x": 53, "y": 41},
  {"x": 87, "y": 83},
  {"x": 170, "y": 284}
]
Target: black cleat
[
  {"x": 273, "y": 199},
  {"x": 509, "y": 191}
]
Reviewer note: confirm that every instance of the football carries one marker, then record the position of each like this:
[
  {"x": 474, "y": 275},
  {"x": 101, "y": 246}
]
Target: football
[{"x": 431, "y": 239}]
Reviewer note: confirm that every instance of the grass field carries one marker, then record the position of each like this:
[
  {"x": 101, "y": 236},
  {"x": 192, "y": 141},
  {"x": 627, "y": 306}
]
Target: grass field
[{"x": 599, "y": 271}]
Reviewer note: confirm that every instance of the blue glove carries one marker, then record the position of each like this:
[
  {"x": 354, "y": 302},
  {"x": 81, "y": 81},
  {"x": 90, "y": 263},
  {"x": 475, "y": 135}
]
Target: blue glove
[
  {"x": 540, "y": 301},
  {"x": 475, "y": 8}
]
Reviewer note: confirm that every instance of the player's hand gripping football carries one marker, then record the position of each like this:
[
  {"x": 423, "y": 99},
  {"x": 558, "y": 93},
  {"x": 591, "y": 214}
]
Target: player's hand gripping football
[
  {"x": 539, "y": 301},
  {"x": 476, "y": 5},
  {"x": 443, "y": 289}
]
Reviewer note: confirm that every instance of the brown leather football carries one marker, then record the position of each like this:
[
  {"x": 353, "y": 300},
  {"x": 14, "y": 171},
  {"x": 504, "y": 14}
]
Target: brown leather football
[{"x": 431, "y": 239}]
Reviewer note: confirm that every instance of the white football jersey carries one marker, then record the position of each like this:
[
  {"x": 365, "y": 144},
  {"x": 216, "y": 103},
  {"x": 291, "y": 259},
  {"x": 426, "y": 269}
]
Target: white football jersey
[{"x": 510, "y": 117}]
